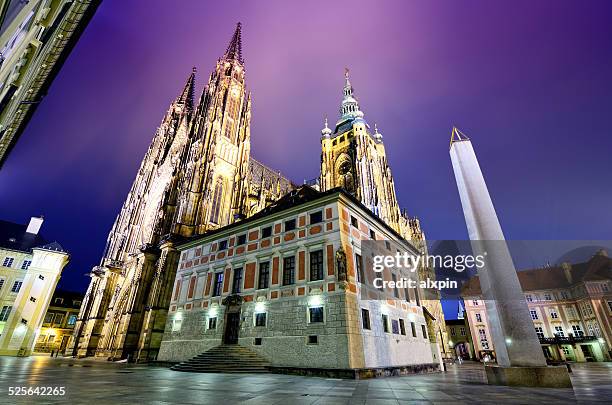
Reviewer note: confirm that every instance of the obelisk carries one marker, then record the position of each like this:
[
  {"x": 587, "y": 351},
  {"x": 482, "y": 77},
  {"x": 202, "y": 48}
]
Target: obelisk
[{"x": 520, "y": 360}]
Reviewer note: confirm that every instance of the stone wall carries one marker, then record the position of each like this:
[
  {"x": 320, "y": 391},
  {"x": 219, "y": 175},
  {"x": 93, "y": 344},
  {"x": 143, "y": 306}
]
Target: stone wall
[
  {"x": 342, "y": 343},
  {"x": 284, "y": 339},
  {"x": 388, "y": 349},
  {"x": 192, "y": 339}
]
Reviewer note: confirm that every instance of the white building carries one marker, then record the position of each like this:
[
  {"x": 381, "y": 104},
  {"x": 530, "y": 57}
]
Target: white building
[
  {"x": 570, "y": 306},
  {"x": 30, "y": 269},
  {"x": 36, "y": 36},
  {"x": 294, "y": 284}
]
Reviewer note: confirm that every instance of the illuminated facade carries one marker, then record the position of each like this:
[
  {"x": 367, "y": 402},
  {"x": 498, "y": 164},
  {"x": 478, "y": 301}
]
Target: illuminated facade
[
  {"x": 292, "y": 285},
  {"x": 196, "y": 176},
  {"x": 30, "y": 269},
  {"x": 354, "y": 158},
  {"x": 459, "y": 339},
  {"x": 36, "y": 36},
  {"x": 59, "y": 321},
  {"x": 570, "y": 306}
]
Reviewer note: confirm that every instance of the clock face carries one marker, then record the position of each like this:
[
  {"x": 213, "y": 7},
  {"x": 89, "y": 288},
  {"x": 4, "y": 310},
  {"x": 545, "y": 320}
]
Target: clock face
[{"x": 345, "y": 168}]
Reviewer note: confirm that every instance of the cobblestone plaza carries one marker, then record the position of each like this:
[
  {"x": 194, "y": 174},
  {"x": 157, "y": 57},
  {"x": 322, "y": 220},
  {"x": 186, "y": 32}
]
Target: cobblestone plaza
[{"x": 91, "y": 381}]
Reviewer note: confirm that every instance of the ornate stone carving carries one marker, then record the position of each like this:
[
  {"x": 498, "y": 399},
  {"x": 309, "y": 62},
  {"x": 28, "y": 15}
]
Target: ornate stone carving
[
  {"x": 341, "y": 264},
  {"x": 232, "y": 300}
]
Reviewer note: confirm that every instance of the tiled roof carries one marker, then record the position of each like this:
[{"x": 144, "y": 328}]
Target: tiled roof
[
  {"x": 298, "y": 196},
  {"x": 295, "y": 197},
  {"x": 53, "y": 246},
  {"x": 14, "y": 236},
  {"x": 599, "y": 267}
]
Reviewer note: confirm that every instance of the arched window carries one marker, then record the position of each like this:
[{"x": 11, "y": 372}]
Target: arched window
[
  {"x": 216, "y": 203},
  {"x": 233, "y": 103}
]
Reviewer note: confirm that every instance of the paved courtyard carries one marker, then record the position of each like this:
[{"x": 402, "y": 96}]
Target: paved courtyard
[{"x": 99, "y": 382}]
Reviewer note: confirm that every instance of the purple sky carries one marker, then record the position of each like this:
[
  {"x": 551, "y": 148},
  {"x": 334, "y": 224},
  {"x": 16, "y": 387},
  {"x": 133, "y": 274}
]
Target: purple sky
[{"x": 530, "y": 83}]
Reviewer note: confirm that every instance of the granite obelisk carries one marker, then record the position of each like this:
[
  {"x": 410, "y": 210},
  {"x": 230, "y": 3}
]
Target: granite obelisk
[{"x": 516, "y": 343}]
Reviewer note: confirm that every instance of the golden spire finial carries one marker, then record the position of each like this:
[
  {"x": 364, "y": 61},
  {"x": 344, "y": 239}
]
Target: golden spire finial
[{"x": 457, "y": 136}]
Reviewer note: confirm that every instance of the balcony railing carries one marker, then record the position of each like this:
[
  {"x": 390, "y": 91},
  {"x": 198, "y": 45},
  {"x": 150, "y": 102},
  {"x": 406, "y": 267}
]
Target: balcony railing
[{"x": 566, "y": 340}]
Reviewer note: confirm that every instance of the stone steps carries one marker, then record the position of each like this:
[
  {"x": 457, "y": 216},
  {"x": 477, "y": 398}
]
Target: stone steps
[{"x": 225, "y": 359}]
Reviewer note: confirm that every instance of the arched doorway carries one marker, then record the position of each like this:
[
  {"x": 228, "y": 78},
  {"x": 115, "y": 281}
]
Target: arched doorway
[{"x": 462, "y": 351}]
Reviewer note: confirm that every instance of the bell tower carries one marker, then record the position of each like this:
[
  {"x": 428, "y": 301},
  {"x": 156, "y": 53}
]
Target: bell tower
[{"x": 353, "y": 157}]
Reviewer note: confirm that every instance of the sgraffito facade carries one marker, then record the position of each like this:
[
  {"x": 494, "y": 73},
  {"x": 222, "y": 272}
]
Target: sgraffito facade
[{"x": 294, "y": 285}]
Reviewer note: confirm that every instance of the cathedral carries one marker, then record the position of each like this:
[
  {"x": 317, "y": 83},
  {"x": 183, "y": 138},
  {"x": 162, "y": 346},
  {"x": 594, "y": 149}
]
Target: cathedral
[{"x": 197, "y": 178}]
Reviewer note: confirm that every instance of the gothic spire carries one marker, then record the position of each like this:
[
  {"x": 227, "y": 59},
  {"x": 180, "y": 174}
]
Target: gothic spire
[
  {"x": 234, "y": 49},
  {"x": 186, "y": 97}
]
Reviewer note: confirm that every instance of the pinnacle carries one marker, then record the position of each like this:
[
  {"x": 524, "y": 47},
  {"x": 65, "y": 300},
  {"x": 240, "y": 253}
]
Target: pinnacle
[
  {"x": 234, "y": 49},
  {"x": 186, "y": 97}
]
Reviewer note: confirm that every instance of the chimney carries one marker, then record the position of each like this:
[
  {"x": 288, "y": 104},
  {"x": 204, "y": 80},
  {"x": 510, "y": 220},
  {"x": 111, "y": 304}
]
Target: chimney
[
  {"x": 567, "y": 269},
  {"x": 34, "y": 225}
]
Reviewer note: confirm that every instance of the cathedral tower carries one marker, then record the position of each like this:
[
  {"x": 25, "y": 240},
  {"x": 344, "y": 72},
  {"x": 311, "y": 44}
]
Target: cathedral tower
[
  {"x": 111, "y": 311},
  {"x": 196, "y": 176},
  {"x": 212, "y": 194},
  {"x": 354, "y": 157}
]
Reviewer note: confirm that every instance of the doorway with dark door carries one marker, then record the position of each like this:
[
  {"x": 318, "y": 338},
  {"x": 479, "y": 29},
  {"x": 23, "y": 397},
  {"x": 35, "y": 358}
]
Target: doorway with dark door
[
  {"x": 64, "y": 343},
  {"x": 232, "y": 327},
  {"x": 588, "y": 353}
]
